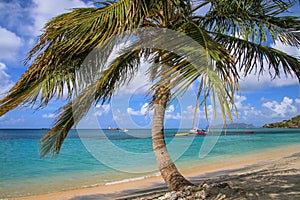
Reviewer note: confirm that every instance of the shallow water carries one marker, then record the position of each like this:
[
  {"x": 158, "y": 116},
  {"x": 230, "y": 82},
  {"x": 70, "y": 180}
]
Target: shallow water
[{"x": 96, "y": 157}]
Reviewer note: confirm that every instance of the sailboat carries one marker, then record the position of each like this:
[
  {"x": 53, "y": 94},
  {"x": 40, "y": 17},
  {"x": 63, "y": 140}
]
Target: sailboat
[{"x": 197, "y": 131}]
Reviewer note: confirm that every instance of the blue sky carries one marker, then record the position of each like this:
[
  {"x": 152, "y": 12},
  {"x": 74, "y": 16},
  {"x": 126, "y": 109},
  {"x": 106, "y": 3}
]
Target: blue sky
[{"x": 260, "y": 101}]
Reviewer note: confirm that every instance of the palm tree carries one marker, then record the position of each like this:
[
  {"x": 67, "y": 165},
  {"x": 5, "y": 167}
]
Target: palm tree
[{"x": 235, "y": 36}]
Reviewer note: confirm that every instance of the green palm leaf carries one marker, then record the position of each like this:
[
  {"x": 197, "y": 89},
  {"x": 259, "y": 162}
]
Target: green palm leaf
[
  {"x": 257, "y": 21},
  {"x": 251, "y": 57},
  {"x": 66, "y": 42},
  {"x": 119, "y": 72}
]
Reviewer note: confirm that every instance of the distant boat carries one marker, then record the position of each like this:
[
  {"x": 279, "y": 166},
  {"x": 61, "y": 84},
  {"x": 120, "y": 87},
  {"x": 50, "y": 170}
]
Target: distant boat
[
  {"x": 181, "y": 134},
  {"x": 193, "y": 131},
  {"x": 113, "y": 129},
  {"x": 249, "y": 132},
  {"x": 202, "y": 132},
  {"x": 124, "y": 130},
  {"x": 197, "y": 131}
]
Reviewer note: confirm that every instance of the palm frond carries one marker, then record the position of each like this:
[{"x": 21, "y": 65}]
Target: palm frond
[
  {"x": 188, "y": 58},
  {"x": 120, "y": 71},
  {"x": 215, "y": 50},
  {"x": 179, "y": 77},
  {"x": 181, "y": 72},
  {"x": 69, "y": 116},
  {"x": 255, "y": 21},
  {"x": 66, "y": 42},
  {"x": 250, "y": 57}
]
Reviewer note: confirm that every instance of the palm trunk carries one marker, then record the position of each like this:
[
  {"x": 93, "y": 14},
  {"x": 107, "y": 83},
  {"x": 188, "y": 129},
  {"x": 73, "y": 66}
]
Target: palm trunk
[{"x": 168, "y": 170}]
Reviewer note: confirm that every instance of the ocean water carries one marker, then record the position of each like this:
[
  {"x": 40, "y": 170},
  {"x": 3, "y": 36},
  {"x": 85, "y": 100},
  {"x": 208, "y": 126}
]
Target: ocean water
[{"x": 98, "y": 157}]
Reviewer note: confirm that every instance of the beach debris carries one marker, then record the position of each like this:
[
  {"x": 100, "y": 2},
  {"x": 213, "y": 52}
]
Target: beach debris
[{"x": 207, "y": 191}]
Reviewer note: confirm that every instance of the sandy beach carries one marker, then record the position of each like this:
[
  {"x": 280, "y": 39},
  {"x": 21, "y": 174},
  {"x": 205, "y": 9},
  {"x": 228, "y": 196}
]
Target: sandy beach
[{"x": 273, "y": 174}]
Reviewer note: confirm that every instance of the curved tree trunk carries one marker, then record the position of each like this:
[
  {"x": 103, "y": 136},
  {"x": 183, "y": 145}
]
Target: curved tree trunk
[{"x": 168, "y": 170}]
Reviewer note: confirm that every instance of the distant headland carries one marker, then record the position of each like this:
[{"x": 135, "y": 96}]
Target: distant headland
[
  {"x": 240, "y": 125},
  {"x": 291, "y": 123}
]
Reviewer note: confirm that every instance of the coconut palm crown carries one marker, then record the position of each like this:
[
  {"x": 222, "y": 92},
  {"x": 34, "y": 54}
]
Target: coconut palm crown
[{"x": 236, "y": 37}]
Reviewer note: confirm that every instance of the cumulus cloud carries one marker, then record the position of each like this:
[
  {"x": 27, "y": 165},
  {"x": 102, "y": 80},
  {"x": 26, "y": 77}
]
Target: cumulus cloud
[
  {"x": 170, "y": 109},
  {"x": 144, "y": 110},
  {"x": 9, "y": 44},
  {"x": 21, "y": 20},
  {"x": 188, "y": 112},
  {"x": 170, "y": 113},
  {"x": 285, "y": 108},
  {"x": 102, "y": 109},
  {"x": 239, "y": 101},
  {"x": 271, "y": 110},
  {"x": 43, "y": 11},
  {"x": 245, "y": 110},
  {"x": 246, "y": 113},
  {"x": 174, "y": 116},
  {"x": 5, "y": 82},
  {"x": 15, "y": 15},
  {"x": 253, "y": 82}
]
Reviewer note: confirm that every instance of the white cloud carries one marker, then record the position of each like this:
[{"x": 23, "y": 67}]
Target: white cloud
[
  {"x": 287, "y": 49},
  {"x": 245, "y": 110},
  {"x": 119, "y": 116},
  {"x": 175, "y": 116},
  {"x": 43, "y": 11},
  {"x": 252, "y": 82},
  {"x": 246, "y": 113},
  {"x": 285, "y": 108},
  {"x": 49, "y": 116},
  {"x": 5, "y": 82},
  {"x": 102, "y": 109},
  {"x": 170, "y": 109},
  {"x": 170, "y": 113},
  {"x": 144, "y": 110},
  {"x": 15, "y": 15},
  {"x": 239, "y": 101},
  {"x": 9, "y": 44},
  {"x": 21, "y": 20},
  {"x": 188, "y": 112},
  {"x": 272, "y": 111}
]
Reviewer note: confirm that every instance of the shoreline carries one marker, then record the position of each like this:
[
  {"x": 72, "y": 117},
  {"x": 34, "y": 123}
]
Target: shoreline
[{"x": 146, "y": 186}]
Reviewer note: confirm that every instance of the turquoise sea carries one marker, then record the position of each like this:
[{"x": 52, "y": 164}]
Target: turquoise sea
[{"x": 98, "y": 157}]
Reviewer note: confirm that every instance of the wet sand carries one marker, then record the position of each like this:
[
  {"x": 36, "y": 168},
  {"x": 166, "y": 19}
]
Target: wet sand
[{"x": 273, "y": 174}]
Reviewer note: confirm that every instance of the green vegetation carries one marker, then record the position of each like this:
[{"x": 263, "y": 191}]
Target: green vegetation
[{"x": 292, "y": 123}]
